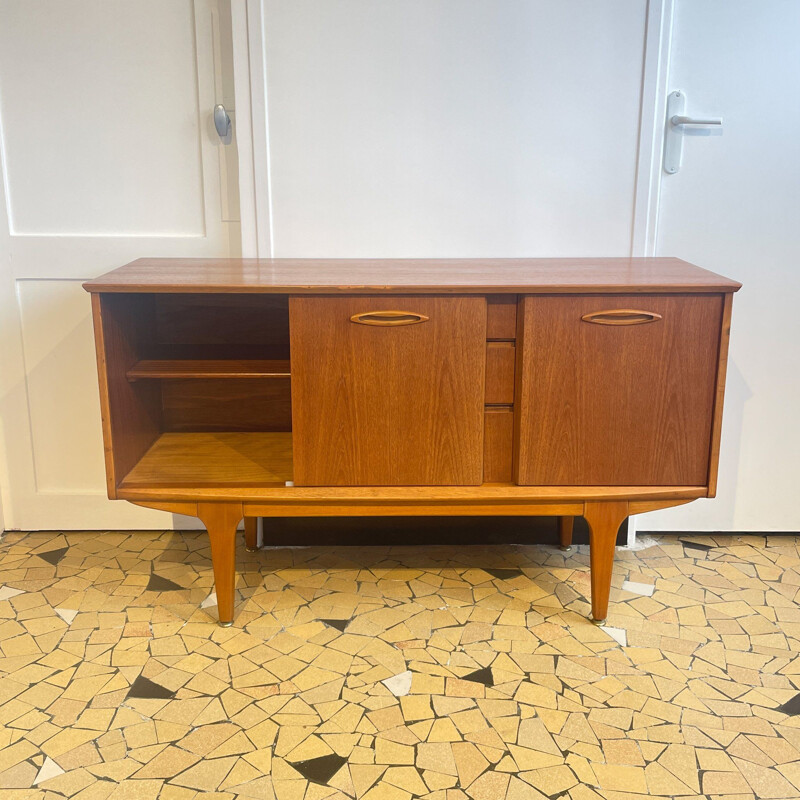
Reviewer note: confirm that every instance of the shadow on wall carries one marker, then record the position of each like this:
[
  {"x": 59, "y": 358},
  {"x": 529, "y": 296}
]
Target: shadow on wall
[
  {"x": 718, "y": 513},
  {"x": 737, "y": 393}
]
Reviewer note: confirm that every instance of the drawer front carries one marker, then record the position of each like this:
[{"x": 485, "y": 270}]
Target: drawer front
[
  {"x": 497, "y": 444},
  {"x": 500, "y": 357},
  {"x": 385, "y": 398},
  {"x": 617, "y": 389},
  {"x": 501, "y": 322}
]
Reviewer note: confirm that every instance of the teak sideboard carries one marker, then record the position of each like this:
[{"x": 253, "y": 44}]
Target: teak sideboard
[{"x": 245, "y": 388}]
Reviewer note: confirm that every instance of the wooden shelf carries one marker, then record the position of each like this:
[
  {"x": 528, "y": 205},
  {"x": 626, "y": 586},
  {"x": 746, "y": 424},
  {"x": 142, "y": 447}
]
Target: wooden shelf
[
  {"x": 214, "y": 459},
  {"x": 203, "y": 368}
]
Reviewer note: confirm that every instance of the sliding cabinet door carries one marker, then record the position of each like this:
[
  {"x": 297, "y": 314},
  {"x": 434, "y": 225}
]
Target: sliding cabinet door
[
  {"x": 617, "y": 389},
  {"x": 387, "y": 390}
]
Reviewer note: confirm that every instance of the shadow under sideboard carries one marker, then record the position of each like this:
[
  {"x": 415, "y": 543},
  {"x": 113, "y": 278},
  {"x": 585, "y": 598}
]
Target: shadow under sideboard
[{"x": 371, "y": 531}]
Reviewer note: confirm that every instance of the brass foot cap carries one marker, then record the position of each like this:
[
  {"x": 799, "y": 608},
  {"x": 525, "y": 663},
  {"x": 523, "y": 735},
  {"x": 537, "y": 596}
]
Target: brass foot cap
[
  {"x": 567, "y": 549},
  {"x": 598, "y": 622},
  {"x": 225, "y": 624},
  {"x": 252, "y": 549}
]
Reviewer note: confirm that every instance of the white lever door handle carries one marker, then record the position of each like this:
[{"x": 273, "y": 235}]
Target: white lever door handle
[
  {"x": 678, "y": 126},
  {"x": 704, "y": 123}
]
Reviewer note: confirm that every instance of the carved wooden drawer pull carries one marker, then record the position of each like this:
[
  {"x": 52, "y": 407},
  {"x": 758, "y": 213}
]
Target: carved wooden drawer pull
[
  {"x": 621, "y": 316},
  {"x": 387, "y": 318}
]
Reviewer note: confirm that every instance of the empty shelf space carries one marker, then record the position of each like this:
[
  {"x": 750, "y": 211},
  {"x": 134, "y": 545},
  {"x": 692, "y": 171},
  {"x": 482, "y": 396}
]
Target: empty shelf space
[
  {"x": 214, "y": 459},
  {"x": 200, "y": 368}
]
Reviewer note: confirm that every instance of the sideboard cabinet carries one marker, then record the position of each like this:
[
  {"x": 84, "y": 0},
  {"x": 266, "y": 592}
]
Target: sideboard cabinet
[{"x": 239, "y": 388}]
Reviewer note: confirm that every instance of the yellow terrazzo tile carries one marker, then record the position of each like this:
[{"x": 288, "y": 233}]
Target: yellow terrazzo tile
[
  {"x": 70, "y": 783},
  {"x": 725, "y": 783},
  {"x": 791, "y": 771},
  {"x": 506, "y": 727},
  {"x": 311, "y": 747},
  {"x": 242, "y": 773},
  {"x": 714, "y": 761},
  {"x": 533, "y": 735},
  {"x": 623, "y": 751},
  {"x": 167, "y": 763},
  {"x": 416, "y": 707},
  {"x": 86, "y": 688},
  {"x": 16, "y": 753},
  {"x": 436, "y": 757},
  {"x": 403, "y": 734},
  {"x": 385, "y": 718},
  {"x": 205, "y": 739},
  {"x": 443, "y": 730},
  {"x": 66, "y": 740},
  {"x": 527, "y": 759},
  {"x": 621, "y": 778},
  {"x": 765, "y": 782},
  {"x": 778, "y": 750},
  {"x": 385, "y": 791},
  {"x": 388, "y": 752},
  {"x": 469, "y": 721},
  {"x": 448, "y": 706},
  {"x": 406, "y": 778},
  {"x": 519, "y": 790},
  {"x": 661, "y": 781},
  {"x": 206, "y": 775}
]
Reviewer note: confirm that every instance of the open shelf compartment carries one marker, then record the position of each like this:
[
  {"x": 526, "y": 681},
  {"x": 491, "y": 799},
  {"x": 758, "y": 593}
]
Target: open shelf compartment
[
  {"x": 214, "y": 459},
  {"x": 197, "y": 389}
]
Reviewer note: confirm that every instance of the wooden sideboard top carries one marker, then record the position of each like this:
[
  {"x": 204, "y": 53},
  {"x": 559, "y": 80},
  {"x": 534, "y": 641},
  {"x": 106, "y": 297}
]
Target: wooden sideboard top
[{"x": 418, "y": 275}]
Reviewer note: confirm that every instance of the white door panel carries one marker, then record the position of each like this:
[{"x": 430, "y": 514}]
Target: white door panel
[
  {"x": 99, "y": 104},
  {"x": 109, "y": 154},
  {"x": 734, "y": 208}
]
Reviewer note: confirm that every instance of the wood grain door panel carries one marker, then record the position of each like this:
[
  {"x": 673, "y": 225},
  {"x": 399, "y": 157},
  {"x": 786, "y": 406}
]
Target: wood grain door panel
[
  {"x": 616, "y": 404},
  {"x": 389, "y": 405}
]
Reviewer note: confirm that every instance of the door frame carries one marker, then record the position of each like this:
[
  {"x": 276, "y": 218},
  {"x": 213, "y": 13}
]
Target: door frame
[
  {"x": 653, "y": 108},
  {"x": 655, "y": 88},
  {"x": 252, "y": 127}
]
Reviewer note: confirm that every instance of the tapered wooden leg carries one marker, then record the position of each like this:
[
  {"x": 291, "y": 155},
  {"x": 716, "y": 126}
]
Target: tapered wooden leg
[
  {"x": 604, "y": 519},
  {"x": 565, "y": 532},
  {"x": 251, "y": 534},
  {"x": 221, "y": 521}
]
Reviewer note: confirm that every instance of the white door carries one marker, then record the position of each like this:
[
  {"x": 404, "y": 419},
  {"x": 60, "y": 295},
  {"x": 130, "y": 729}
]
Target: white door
[
  {"x": 734, "y": 207},
  {"x": 108, "y": 153}
]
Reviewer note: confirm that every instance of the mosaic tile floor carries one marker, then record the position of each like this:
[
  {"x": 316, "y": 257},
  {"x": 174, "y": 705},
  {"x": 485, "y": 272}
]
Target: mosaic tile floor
[{"x": 391, "y": 673}]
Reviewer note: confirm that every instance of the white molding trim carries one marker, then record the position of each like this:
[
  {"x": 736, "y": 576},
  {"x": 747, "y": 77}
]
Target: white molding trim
[
  {"x": 252, "y": 129},
  {"x": 655, "y": 77}
]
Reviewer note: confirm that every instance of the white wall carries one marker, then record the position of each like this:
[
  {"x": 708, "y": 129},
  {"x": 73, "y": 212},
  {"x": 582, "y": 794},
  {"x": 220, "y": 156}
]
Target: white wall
[{"x": 453, "y": 127}]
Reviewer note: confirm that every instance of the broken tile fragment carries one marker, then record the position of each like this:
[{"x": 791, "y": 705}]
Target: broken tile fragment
[
  {"x": 145, "y": 688},
  {"x": 399, "y": 685},
  {"x": 322, "y": 769},
  {"x": 482, "y": 675}
]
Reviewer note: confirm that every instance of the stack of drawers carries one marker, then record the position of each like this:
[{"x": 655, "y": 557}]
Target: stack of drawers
[{"x": 501, "y": 340}]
